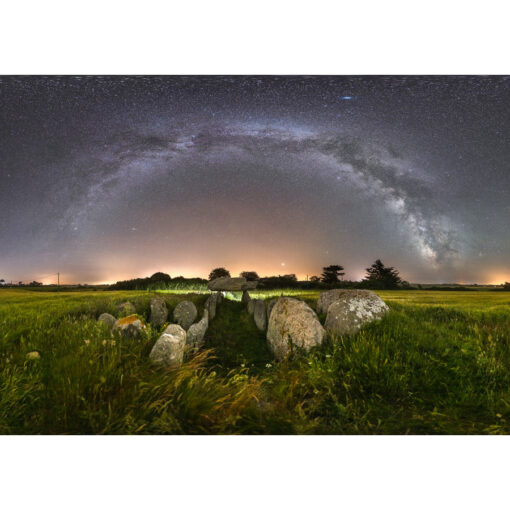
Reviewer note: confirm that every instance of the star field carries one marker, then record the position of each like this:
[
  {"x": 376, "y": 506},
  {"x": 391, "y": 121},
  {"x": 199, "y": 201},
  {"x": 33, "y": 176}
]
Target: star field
[{"x": 107, "y": 178}]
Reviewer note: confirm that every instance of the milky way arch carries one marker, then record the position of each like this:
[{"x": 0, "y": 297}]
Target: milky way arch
[{"x": 131, "y": 161}]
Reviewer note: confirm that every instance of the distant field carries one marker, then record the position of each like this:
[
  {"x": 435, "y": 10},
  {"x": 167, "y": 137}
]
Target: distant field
[{"x": 439, "y": 363}]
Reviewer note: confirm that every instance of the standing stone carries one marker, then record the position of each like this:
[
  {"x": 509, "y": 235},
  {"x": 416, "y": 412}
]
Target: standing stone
[
  {"x": 210, "y": 306},
  {"x": 246, "y": 297},
  {"x": 129, "y": 327},
  {"x": 352, "y": 310},
  {"x": 185, "y": 314},
  {"x": 107, "y": 319},
  {"x": 251, "y": 306},
  {"x": 259, "y": 314},
  {"x": 270, "y": 306},
  {"x": 231, "y": 284},
  {"x": 168, "y": 351},
  {"x": 196, "y": 333},
  {"x": 293, "y": 324},
  {"x": 126, "y": 308},
  {"x": 159, "y": 312}
]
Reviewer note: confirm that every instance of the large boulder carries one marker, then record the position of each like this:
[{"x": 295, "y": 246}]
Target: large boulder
[
  {"x": 352, "y": 310},
  {"x": 251, "y": 306},
  {"x": 245, "y": 297},
  {"x": 185, "y": 314},
  {"x": 159, "y": 312},
  {"x": 196, "y": 333},
  {"x": 126, "y": 308},
  {"x": 231, "y": 284},
  {"x": 328, "y": 297},
  {"x": 259, "y": 314},
  {"x": 270, "y": 306},
  {"x": 129, "y": 327},
  {"x": 107, "y": 319},
  {"x": 293, "y": 324},
  {"x": 168, "y": 351}
]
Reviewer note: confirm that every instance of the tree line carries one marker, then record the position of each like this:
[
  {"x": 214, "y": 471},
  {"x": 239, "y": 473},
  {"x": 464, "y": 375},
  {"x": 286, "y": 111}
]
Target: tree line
[{"x": 378, "y": 276}]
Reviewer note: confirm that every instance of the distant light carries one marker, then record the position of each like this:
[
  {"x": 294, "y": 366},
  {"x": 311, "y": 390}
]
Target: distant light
[
  {"x": 346, "y": 98},
  {"x": 283, "y": 263}
]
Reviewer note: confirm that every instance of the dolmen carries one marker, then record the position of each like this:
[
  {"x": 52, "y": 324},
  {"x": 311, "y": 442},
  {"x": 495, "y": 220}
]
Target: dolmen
[{"x": 229, "y": 284}]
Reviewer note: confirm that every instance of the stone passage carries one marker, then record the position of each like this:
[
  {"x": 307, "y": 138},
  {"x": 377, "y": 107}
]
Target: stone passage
[
  {"x": 292, "y": 325},
  {"x": 186, "y": 336},
  {"x": 179, "y": 339}
]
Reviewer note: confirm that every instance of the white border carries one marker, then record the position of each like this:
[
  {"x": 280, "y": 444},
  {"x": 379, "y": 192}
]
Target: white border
[
  {"x": 263, "y": 37},
  {"x": 277, "y": 472}
]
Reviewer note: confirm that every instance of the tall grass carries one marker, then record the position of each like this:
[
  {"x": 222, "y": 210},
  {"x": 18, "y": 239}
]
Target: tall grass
[{"x": 437, "y": 364}]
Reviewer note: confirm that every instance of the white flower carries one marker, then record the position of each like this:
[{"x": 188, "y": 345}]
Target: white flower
[
  {"x": 268, "y": 365},
  {"x": 328, "y": 355}
]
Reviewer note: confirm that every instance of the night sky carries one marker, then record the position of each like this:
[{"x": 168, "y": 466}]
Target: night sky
[{"x": 108, "y": 178}]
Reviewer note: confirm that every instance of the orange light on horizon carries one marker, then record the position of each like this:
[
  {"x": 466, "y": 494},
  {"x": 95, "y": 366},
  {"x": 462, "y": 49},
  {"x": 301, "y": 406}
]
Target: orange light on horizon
[{"x": 499, "y": 279}]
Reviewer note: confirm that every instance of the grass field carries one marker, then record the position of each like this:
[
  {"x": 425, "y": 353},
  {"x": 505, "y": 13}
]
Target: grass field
[{"x": 438, "y": 363}]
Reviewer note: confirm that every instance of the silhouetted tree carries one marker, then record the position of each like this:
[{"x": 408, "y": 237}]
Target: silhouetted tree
[
  {"x": 315, "y": 279},
  {"x": 330, "y": 274},
  {"x": 218, "y": 273},
  {"x": 160, "y": 277},
  {"x": 251, "y": 276},
  {"x": 35, "y": 284},
  {"x": 2, "y": 281},
  {"x": 380, "y": 276}
]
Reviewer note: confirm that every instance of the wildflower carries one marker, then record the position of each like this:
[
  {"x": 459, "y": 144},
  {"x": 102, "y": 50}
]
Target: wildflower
[
  {"x": 242, "y": 365},
  {"x": 87, "y": 342},
  {"x": 33, "y": 355},
  {"x": 328, "y": 355},
  {"x": 268, "y": 365}
]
